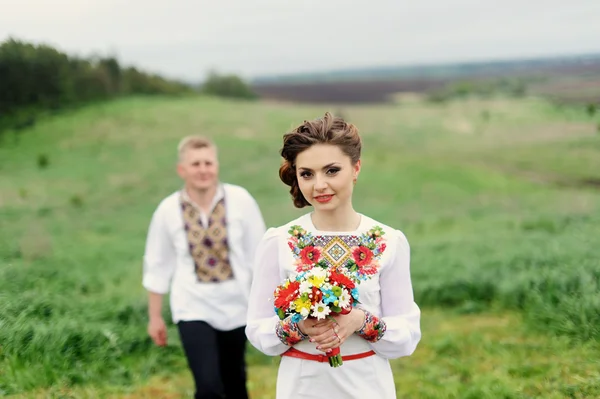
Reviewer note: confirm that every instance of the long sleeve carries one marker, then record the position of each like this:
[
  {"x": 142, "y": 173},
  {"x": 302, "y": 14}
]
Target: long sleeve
[
  {"x": 400, "y": 313},
  {"x": 159, "y": 255},
  {"x": 261, "y": 320}
]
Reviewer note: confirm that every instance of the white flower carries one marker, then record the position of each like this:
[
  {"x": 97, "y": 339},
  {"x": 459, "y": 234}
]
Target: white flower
[
  {"x": 305, "y": 287},
  {"x": 320, "y": 310},
  {"x": 344, "y": 299}
]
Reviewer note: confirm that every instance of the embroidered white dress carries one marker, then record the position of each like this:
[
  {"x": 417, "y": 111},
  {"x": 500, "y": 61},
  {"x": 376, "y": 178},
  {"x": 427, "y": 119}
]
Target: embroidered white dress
[{"x": 388, "y": 295}]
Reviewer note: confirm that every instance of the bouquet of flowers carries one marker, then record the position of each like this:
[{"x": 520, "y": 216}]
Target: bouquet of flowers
[{"x": 322, "y": 289}]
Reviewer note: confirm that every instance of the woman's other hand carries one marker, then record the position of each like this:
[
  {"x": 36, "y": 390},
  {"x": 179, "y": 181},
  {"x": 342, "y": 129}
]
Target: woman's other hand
[{"x": 329, "y": 334}]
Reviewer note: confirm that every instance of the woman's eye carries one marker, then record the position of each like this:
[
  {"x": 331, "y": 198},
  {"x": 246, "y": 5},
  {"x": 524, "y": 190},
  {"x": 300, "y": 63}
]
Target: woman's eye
[
  {"x": 304, "y": 174},
  {"x": 332, "y": 171}
]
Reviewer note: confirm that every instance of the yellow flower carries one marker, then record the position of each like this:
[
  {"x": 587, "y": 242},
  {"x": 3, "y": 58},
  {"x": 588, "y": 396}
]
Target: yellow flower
[
  {"x": 316, "y": 281},
  {"x": 302, "y": 304}
]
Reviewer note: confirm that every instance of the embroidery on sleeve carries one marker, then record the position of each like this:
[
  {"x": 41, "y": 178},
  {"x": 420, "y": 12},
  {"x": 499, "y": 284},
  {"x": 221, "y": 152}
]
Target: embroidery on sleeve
[
  {"x": 289, "y": 333},
  {"x": 373, "y": 328}
]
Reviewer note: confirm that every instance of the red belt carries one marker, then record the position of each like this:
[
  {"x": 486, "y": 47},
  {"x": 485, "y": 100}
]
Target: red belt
[{"x": 292, "y": 352}]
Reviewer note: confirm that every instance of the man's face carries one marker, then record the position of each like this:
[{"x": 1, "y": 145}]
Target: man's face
[{"x": 199, "y": 168}]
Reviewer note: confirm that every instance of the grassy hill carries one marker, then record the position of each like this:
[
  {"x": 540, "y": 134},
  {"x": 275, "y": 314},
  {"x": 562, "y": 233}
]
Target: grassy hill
[{"x": 499, "y": 200}]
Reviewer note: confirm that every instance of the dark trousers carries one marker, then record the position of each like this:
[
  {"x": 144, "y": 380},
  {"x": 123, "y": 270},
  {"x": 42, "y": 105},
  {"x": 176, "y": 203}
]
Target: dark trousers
[{"x": 216, "y": 359}]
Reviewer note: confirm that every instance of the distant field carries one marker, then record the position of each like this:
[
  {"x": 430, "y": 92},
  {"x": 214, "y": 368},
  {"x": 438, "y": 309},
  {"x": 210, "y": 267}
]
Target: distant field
[
  {"x": 497, "y": 198},
  {"x": 574, "y": 80},
  {"x": 582, "y": 90},
  {"x": 347, "y": 92}
]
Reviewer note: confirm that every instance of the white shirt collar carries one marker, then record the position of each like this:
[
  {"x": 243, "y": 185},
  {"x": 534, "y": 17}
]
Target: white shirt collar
[{"x": 219, "y": 195}]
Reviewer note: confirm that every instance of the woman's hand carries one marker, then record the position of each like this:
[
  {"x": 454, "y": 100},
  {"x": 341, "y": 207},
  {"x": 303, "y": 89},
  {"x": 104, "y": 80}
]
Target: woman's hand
[
  {"x": 329, "y": 334},
  {"x": 312, "y": 326}
]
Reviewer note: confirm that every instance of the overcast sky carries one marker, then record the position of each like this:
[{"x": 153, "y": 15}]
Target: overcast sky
[{"x": 186, "y": 38}]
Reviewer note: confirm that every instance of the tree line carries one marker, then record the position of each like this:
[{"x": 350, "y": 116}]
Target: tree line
[{"x": 38, "y": 77}]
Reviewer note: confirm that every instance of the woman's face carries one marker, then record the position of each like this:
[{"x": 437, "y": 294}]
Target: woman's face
[{"x": 326, "y": 176}]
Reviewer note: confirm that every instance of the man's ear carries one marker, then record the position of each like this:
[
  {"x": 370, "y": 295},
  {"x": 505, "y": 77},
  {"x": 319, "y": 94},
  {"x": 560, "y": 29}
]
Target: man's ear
[{"x": 180, "y": 170}]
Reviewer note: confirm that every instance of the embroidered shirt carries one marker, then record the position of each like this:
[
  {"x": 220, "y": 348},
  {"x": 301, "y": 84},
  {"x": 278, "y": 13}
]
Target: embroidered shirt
[
  {"x": 169, "y": 267},
  {"x": 207, "y": 240}
]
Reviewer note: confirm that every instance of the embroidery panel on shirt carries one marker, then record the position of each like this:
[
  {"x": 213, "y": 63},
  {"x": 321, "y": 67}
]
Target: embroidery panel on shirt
[
  {"x": 357, "y": 252},
  {"x": 361, "y": 253},
  {"x": 208, "y": 246}
]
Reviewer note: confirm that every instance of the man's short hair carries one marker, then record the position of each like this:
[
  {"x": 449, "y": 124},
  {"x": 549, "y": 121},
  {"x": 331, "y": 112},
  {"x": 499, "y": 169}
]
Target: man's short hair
[{"x": 194, "y": 142}]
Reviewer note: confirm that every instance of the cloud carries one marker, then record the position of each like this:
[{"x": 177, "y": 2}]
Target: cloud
[{"x": 186, "y": 38}]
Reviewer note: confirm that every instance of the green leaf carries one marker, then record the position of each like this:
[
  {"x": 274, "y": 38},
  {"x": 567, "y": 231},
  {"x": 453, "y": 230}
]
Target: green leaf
[
  {"x": 280, "y": 314},
  {"x": 322, "y": 264}
]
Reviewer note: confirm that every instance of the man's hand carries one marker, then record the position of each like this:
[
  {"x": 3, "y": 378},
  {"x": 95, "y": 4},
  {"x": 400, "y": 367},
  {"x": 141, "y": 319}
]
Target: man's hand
[{"x": 157, "y": 330}]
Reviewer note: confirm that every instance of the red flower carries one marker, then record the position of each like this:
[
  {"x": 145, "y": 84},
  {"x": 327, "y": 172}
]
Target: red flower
[
  {"x": 292, "y": 337},
  {"x": 285, "y": 296},
  {"x": 310, "y": 255},
  {"x": 370, "y": 269},
  {"x": 382, "y": 247},
  {"x": 370, "y": 335},
  {"x": 342, "y": 280},
  {"x": 317, "y": 295},
  {"x": 362, "y": 256}
]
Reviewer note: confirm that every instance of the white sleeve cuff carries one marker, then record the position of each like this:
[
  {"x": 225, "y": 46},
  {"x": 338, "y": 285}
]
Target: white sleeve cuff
[{"x": 155, "y": 284}]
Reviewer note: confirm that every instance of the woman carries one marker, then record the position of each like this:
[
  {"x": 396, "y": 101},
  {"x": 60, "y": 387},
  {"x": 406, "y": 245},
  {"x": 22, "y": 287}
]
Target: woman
[{"x": 322, "y": 164}]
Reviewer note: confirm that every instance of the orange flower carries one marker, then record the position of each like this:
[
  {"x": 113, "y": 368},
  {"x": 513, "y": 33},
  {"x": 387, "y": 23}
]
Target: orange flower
[{"x": 317, "y": 295}]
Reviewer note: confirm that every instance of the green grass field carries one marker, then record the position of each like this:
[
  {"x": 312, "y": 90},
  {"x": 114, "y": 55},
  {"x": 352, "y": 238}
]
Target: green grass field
[{"x": 499, "y": 199}]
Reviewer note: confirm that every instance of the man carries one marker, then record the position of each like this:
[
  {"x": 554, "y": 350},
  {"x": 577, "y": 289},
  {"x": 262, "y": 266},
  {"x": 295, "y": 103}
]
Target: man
[{"x": 200, "y": 247}]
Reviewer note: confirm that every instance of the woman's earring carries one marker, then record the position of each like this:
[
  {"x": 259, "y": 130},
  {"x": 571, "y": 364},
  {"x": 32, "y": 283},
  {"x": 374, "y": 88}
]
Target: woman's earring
[{"x": 354, "y": 181}]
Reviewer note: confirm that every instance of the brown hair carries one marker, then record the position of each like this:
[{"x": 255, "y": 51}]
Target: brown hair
[
  {"x": 193, "y": 142},
  {"x": 326, "y": 130}
]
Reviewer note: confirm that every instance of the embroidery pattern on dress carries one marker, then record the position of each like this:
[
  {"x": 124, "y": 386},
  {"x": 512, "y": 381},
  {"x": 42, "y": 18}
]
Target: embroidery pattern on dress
[{"x": 357, "y": 253}]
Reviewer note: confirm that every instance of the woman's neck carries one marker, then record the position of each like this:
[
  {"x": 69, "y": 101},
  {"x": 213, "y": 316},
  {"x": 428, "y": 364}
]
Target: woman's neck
[{"x": 340, "y": 219}]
